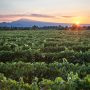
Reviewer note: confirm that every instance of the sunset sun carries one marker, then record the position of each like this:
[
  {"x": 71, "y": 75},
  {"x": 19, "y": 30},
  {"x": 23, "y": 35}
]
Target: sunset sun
[{"x": 77, "y": 22}]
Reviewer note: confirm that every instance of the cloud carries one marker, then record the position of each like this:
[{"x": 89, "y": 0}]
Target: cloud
[
  {"x": 12, "y": 16},
  {"x": 34, "y": 15},
  {"x": 27, "y": 15},
  {"x": 67, "y": 16},
  {"x": 42, "y": 15}
]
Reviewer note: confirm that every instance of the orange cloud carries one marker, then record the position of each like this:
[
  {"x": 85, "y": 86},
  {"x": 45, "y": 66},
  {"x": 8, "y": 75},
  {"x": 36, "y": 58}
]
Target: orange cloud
[
  {"x": 19, "y": 16},
  {"x": 42, "y": 15},
  {"x": 47, "y": 18},
  {"x": 67, "y": 16}
]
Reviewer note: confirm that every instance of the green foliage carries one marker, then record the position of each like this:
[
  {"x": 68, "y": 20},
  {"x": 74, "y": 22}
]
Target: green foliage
[
  {"x": 9, "y": 84},
  {"x": 73, "y": 83},
  {"x": 28, "y": 71},
  {"x": 44, "y": 60},
  {"x": 46, "y": 46}
]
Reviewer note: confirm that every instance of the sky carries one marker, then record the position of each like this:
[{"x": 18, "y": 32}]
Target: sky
[{"x": 62, "y": 11}]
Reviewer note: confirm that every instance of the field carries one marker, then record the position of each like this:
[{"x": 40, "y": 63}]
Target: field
[{"x": 45, "y": 60}]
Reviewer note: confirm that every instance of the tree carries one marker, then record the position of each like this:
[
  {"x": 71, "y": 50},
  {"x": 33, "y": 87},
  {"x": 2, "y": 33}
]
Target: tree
[{"x": 34, "y": 27}]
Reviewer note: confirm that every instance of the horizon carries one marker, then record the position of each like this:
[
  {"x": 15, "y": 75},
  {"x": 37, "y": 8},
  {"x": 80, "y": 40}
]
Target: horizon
[
  {"x": 57, "y": 11},
  {"x": 25, "y": 19}
]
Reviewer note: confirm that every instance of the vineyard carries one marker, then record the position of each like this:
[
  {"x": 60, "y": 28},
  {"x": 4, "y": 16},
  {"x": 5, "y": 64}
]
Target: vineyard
[{"x": 45, "y": 60}]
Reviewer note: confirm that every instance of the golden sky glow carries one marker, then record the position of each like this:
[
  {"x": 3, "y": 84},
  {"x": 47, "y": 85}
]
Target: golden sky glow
[
  {"x": 62, "y": 11},
  {"x": 78, "y": 20}
]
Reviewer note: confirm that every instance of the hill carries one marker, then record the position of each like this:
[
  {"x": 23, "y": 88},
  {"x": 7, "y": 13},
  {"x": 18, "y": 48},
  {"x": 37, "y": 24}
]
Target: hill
[{"x": 29, "y": 23}]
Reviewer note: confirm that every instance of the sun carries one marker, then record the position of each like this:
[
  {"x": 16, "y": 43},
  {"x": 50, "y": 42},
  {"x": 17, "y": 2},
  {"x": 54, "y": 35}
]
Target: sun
[{"x": 77, "y": 22}]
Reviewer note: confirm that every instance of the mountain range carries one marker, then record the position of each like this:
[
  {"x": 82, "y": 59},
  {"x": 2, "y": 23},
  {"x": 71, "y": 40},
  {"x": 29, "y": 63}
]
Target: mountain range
[{"x": 30, "y": 23}]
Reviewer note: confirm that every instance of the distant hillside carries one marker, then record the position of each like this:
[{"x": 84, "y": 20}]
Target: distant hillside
[{"x": 29, "y": 23}]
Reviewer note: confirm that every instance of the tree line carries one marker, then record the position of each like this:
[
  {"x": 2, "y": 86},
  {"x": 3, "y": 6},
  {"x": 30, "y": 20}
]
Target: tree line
[{"x": 72, "y": 27}]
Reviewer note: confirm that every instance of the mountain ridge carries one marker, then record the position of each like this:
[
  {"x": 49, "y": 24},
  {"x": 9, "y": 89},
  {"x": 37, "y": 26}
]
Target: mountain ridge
[{"x": 29, "y": 23}]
